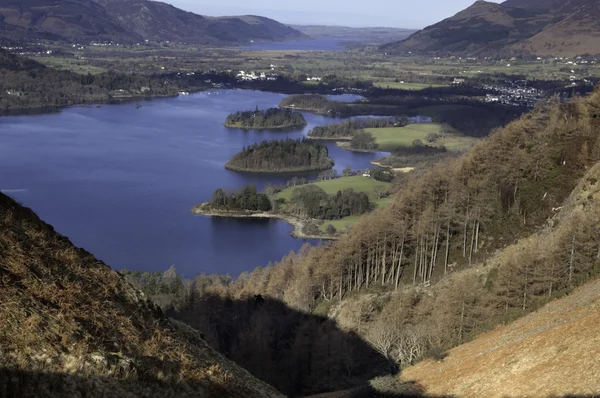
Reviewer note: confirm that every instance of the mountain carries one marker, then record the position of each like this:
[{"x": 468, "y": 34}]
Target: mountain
[
  {"x": 130, "y": 21},
  {"x": 541, "y": 27},
  {"x": 71, "y": 326}
]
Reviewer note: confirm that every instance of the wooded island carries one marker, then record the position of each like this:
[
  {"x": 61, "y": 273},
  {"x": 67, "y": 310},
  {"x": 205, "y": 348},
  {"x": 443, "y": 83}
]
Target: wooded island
[
  {"x": 282, "y": 156},
  {"x": 272, "y": 118}
]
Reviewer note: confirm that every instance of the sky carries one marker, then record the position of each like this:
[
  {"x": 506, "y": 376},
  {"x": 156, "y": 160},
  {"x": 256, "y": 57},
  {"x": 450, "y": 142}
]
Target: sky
[{"x": 413, "y": 14}]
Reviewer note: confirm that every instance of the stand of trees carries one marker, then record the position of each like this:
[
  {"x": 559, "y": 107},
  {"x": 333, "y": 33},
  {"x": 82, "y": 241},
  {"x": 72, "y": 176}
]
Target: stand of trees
[
  {"x": 272, "y": 118},
  {"x": 245, "y": 199},
  {"x": 349, "y": 128},
  {"x": 363, "y": 141},
  {"x": 282, "y": 156},
  {"x": 26, "y": 84},
  {"x": 313, "y": 202},
  {"x": 310, "y": 102},
  {"x": 463, "y": 212}
]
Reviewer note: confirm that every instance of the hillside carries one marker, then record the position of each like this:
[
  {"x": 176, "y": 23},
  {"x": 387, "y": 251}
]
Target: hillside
[
  {"x": 130, "y": 21},
  {"x": 542, "y": 27},
  {"x": 552, "y": 352},
  {"x": 472, "y": 243},
  {"x": 70, "y": 326}
]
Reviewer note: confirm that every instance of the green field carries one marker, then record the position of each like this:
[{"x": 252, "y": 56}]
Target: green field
[
  {"x": 358, "y": 183},
  {"x": 394, "y": 137},
  {"x": 406, "y": 86}
]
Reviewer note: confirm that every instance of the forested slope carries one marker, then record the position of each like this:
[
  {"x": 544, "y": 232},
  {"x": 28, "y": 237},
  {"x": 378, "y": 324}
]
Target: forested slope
[
  {"x": 70, "y": 326},
  {"x": 472, "y": 243}
]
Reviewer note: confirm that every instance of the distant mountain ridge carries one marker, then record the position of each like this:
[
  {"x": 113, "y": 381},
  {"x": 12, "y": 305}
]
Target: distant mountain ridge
[
  {"x": 131, "y": 21},
  {"x": 541, "y": 27}
]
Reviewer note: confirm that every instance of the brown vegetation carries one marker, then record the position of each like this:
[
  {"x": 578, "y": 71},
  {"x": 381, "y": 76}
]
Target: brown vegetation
[
  {"x": 379, "y": 280},
  {"x": 71, "y": 324},
  {"x": 552, "y": 352}
]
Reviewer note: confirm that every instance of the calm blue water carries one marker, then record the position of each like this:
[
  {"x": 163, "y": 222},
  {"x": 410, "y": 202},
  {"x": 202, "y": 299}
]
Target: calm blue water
[
  {"x": 121, "y": 181},
  {"x": 317, "y": 44}
]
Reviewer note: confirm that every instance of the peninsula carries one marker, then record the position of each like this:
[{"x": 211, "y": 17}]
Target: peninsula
[
  {"x": 282, "y": 156},
  {"x": 270, "y": 119},
  {"x": 316, "y": 210}
]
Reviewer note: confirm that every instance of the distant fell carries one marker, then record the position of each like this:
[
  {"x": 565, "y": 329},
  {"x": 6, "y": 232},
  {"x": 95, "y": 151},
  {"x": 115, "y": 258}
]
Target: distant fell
[
  {"x": 540, "y": 27},
  {"x": 130, "y": 21}
]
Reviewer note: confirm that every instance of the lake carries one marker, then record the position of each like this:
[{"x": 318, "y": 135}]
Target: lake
[{"x": 120, "y": 181}]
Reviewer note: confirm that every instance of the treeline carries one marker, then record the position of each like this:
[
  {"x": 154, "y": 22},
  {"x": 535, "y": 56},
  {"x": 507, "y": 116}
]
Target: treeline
[
  {"x": 272, "y": 118},
  {"x": 323, "y": 106},
  {"x": 282, "y": 156},
  {"x": 310, "y": 102},
  {"x": 296, "y": 352},
  {"x": 415, "y": 156},
  {"x": 245, "y": 199},
  {"x": 472, "y": 117},
  {"x": 457, "y": 214},
  {"x": 311, "y": 201},
  {"x": 26, "y": 84},
  {"x": 349, "y": 128},
  {"x": 364, "y": 141}
]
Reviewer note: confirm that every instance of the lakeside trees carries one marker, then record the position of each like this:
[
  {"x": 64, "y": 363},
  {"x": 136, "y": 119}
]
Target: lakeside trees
[
  {"x": 313, "y": 202},
  {"x": 282, "y": 156},
  {"x": 272, "y": 118},
  {"x": 245, "y": 199},
  {"x": 465, "y": 211},
  {"x": 349, "y": 128},
  {"x": 363, "y": 141}
]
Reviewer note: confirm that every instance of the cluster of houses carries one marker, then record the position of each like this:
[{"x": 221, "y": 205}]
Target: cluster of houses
[
  {"x": 513, "y": 94},
  {"x": 252, "y": 76}
]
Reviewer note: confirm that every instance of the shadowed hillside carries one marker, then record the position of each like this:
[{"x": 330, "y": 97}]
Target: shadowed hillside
[{"x": 70, "y": 326}]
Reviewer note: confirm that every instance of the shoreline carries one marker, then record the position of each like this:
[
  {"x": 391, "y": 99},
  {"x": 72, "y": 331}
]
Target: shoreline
[
  {"x": 296, "y": 222},
  {"x": 334, "y": 139},
  {"x": 290, "y": 127},
  {"x": 345, "y": 145},
  {"x": 309, "y": 110},
  {"x": 404, "y": 170},
  {"x": 283, "y": 172}
]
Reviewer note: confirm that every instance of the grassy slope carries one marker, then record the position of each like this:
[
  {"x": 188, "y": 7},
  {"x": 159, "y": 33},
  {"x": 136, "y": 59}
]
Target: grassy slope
[
  {"x": 71, "y": 324},
  {"x": 393, "y": 137},
  {"x": 552, "y": 352},
  {"x": 358, "y": 183}
]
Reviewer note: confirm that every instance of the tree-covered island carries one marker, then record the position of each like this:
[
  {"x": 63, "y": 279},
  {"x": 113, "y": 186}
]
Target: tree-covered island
[
  {"x": 272, "y": 118},
  {"x": 282, "y": 156}
]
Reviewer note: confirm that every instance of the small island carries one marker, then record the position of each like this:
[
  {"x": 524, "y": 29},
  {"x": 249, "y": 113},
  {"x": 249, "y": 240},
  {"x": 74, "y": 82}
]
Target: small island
[
  {"x": 282, "y": 156},
  {"x": 270, "y": 119}
]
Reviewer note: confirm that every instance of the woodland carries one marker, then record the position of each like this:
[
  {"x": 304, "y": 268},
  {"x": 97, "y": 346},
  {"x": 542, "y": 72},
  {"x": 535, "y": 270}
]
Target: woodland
[
  {"x": 282, "y": 156},
  {"x": 471, "y": 243},
  {"x": 272, "y": 118},
  {"x": 348, "y": 128}
]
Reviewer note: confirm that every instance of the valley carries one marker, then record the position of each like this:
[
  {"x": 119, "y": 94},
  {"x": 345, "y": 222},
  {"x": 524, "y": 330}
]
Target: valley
[{"x": 194, "y": 204}]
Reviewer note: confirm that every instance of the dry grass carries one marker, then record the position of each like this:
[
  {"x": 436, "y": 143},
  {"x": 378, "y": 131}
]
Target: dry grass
[
  {"x": 552, "y": 352},
  {"x": 67, "y": 317}
]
